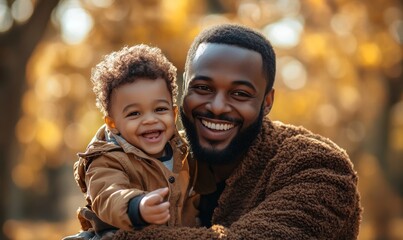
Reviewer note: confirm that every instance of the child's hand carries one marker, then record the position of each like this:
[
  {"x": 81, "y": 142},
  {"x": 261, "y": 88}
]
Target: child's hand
[{"x": 153, "y": 209}]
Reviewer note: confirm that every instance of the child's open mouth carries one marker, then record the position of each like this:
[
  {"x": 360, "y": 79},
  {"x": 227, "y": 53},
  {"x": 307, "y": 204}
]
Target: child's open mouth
[{"x": 152, "y": 136}]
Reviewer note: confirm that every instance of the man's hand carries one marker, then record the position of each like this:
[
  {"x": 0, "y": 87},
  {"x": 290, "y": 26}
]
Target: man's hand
[{"x": 153, "y": 208}]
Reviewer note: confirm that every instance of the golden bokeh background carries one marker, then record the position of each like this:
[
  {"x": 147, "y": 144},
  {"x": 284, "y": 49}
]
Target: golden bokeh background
[{"x": 339, "y": 73}]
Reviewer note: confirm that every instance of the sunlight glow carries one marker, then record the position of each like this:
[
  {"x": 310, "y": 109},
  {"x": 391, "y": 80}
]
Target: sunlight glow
[{"x": 286, "y": 33}]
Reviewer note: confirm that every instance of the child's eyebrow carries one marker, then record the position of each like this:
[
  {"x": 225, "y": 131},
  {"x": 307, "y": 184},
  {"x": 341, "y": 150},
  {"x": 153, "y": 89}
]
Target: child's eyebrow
[
  {"x": 162, "y": 100},
  {"x": 129, "y": 106}
]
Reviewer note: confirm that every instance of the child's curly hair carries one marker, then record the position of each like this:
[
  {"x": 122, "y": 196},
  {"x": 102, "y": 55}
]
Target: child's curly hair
[{"x": 127, "y": 65}]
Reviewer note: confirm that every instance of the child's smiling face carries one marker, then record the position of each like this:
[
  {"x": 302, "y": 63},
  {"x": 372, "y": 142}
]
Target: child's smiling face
[{"x": 144, "y": 115}]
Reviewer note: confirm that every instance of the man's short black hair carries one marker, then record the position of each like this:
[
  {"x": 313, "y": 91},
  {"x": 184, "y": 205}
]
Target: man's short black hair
[{"x": 241, "y": 36}]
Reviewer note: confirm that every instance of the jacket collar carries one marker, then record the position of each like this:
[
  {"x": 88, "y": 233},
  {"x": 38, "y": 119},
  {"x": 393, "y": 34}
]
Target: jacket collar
[{"x": 105, "y": 141}]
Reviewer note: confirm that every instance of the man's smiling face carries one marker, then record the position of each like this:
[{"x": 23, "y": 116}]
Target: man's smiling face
[{"x": 224, "y": 100}]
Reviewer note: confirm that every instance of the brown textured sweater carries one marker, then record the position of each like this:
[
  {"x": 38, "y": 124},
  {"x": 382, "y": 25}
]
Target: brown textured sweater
[{"x": 292, "y": 184}]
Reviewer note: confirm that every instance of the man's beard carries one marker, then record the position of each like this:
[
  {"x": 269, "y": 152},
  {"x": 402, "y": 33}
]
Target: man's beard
[{"x": 235, "y": 149}]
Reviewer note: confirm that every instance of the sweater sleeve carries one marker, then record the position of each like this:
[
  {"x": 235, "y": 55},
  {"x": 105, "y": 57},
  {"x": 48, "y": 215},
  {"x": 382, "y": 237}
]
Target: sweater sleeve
[{"x": 311, "y": 193}]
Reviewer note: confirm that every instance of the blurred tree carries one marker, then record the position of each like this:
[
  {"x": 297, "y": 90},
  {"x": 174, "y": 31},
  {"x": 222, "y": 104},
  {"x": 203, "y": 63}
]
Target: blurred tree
[{"x": 16, "y": 47}]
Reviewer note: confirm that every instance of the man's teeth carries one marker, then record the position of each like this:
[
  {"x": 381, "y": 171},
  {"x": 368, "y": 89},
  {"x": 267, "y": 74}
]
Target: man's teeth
[{"x": 217, "y": 126}]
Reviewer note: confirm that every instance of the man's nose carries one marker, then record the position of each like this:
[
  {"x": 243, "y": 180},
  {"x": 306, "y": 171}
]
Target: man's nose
[{"x": 218, "y": 104}]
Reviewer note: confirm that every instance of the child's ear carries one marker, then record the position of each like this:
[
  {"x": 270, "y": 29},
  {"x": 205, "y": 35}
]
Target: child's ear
[
  {"x": 175, "y": 108},
  {"x": 109, "y": 122}
]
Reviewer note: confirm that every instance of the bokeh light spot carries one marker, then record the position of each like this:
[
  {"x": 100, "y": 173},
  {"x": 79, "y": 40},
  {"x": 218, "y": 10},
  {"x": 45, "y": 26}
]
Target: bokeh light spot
[
  {"x": 293, "y": 73},
  {"x": 327, "y": 115},
  {"x": 369, "y": 54},
  {"x": 48, "y": 135},
  {"x": 22, "y": 10},
  {"x": 6, "y": 20},
  {"x": 285, "y": 33},
  {"x": 75, "y": 22}
]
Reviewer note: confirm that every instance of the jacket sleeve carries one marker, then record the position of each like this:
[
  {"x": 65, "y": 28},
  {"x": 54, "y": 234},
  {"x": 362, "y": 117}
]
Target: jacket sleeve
[
  {"x": 310, "y": 193},
  {"x": 110, "y": 191}
]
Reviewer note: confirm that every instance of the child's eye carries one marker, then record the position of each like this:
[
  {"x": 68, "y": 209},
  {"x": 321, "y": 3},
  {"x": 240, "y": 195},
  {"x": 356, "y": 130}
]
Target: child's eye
[
  {"x": 133, "y": 114},
  {"x": 161, "y": 109}
]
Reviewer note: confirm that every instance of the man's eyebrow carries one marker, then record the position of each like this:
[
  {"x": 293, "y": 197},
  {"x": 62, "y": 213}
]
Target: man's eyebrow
[
  {"x": 244, "y": 82},
  {"x": 236, "y": 82},
  {"x": 200, "y": 77}
]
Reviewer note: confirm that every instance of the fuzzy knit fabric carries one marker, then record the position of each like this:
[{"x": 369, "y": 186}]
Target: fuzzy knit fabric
[{"x": 292, "y": 184}]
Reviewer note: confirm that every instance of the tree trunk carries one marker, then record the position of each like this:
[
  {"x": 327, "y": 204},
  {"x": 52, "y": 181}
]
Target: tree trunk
[{"x": 16, "y": 47}]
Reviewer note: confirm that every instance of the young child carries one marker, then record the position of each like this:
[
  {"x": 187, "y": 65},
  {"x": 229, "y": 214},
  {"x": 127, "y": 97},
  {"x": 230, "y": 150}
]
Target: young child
[{"x": 136, "y": 171}]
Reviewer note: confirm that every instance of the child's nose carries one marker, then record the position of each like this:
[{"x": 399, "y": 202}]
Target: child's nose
[{"x": 149, "y": 118}]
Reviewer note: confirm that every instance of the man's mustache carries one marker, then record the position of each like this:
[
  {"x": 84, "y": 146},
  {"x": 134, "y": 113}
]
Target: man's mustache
[{"x": 221, "y": 117}]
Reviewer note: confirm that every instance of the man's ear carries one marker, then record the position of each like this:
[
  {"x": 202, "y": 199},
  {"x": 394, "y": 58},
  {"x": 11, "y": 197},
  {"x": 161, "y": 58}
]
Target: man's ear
[
  {"x": 175, "y": 108},
  {"x": 268, "y": 101}
]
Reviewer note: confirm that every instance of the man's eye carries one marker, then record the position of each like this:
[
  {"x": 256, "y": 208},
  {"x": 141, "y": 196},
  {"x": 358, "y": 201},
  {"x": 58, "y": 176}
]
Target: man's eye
[
  {"x": 202, "y": 88},
  {"x": 242, "y": 94}
]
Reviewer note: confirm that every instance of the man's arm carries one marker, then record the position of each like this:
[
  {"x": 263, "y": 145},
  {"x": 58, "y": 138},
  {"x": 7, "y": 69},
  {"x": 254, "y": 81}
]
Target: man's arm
[{"x": 309, "y": 195}]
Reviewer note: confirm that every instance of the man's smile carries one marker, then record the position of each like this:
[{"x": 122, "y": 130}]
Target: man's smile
[
  {"x": 213, "y": 130},
  {"x": 216, "y": 125}
]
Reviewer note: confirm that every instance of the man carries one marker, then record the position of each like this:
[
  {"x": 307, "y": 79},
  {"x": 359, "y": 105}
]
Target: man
[{"x": 258, "y": 179}]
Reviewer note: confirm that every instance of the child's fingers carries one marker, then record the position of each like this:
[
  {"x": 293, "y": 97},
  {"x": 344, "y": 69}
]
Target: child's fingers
[
  {"x": 161, "y": 192},
  {"x": 153, "y": 209},
  {"x": 160, "y": 218},
  {"x": 151, "y": 200},
  {"x": 158, "y": 208}
]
